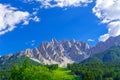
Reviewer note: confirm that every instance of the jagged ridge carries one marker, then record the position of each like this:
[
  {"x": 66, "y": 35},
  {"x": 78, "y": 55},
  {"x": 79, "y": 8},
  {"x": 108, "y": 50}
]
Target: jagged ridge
[
  {"x": 64, "y": 52},
  {"x": 59, "y": 52}
]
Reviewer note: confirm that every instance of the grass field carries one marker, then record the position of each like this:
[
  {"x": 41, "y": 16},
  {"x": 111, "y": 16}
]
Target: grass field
[{"x": 63, "y": 74}]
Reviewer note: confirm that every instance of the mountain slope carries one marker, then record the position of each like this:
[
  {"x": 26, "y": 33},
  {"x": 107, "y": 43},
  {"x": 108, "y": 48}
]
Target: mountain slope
[
  {"x": 102, "y": 46},
  {"x": 57, "y": 52},
  {"x": 110, "y": 55},
  {"x": 67, "y": 51},
  {"x": 7, "y": 62}
]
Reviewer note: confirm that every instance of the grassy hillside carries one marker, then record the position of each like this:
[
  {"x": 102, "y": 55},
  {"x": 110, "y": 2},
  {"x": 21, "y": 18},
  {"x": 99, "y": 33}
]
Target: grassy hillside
[
  {"x": 110, "y": 55},
  {"x": 28, "y": 71},
  {"x": 85, "y": 71},
  {"x": 63, "y": 74},
  {"x": 9, "y": 63},
  {"x": 101, "y": 66}
]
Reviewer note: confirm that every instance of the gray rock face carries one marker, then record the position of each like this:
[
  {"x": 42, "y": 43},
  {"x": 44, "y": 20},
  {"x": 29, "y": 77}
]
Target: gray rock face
[
  {"x": 102, "y": 46},
  {"x": 59, "y": 52},
  {"x": 64, "y": 52}
]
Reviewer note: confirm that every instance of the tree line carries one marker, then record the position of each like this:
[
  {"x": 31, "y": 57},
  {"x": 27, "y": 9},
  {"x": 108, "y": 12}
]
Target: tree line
[
  {"x": 82, "y": 71},
  {"x": 96, "y": 71}
]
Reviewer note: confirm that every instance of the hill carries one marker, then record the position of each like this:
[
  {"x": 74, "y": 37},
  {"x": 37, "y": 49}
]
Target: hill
[
  {"x": 110, "y": 55},
  {"x": 7, "y": 62}
]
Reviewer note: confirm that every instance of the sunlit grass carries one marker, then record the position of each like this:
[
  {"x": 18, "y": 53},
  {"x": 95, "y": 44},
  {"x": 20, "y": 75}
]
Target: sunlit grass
[{"x": 63, "y": 74}]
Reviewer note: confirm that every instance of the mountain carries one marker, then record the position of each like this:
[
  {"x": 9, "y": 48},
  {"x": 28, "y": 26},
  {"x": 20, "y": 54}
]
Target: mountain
[
  {"x": 7, "y": 62},
  {"x": 102, "y": 46},
  {"x": 110, "y": 55},
  {"x": 65, "y": 51},
  {"x": 57, "y": 52}
]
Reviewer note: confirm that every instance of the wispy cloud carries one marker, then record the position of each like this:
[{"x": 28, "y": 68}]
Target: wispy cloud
[
  {"x": 36, "y": 19},
  {"x": 91, "y": 40},
  {"x": 31, "y": 43},
  {"x": 109, "y": 12},
  {"x": 61, "y": 3}
]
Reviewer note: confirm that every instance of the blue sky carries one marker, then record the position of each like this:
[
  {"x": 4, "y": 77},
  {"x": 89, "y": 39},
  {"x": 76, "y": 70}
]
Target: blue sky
[{"x": 33, "y": 22}]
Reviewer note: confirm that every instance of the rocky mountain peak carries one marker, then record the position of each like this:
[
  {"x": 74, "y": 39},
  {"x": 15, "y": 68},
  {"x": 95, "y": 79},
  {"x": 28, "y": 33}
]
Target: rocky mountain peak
[
  {"x": 73, "y": 41},
  {"x": 54, "y": 41},
  {"x": 65, "y": 51},
  {"x": 102, "y": 46},
  {"x": 59, "y": 52}
]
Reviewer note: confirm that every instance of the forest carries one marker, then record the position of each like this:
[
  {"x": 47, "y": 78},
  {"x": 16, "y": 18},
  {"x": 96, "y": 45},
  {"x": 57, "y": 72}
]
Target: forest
[
  {"x": 96, "y": 71},
  {"x": 82, "y": 71},
  {"x": 28, "y": 71}
]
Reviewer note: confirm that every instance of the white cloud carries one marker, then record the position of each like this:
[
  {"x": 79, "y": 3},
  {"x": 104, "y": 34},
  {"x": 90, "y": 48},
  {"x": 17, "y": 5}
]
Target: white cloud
[
  {"x": 31, "y": 43},
  {"x": 66, "y": 3},
  {"x": 113, "y": 30},
  {"x": 36, "y": 19},
  {"x": 61, "y": 3},
  {"x": 10, "y": 16},
  {"x": 104, "y": 37},
  {"x": 25, "y": 1},
  {"x": 91, "y": 40},
  {"x": 109, "y": 12}
]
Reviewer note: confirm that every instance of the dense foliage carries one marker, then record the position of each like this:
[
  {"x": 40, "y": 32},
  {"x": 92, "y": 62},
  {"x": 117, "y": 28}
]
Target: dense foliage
[
  {"x": 8, "y": 64},
  {"x": 102, "y": 66},
  {"x": 28, "y": 71},
  {"x": 96, "y": 71},
  {"x": 83, "y": 71},
  {"x": 52, "y": 67}
]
